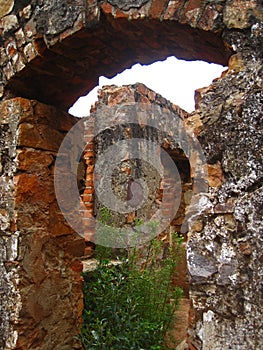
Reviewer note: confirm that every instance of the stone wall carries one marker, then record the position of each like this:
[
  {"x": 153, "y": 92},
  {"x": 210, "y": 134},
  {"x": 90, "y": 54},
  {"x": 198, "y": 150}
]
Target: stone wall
[
  {"x": 225, "y": 256},
  {"x": 41, "y": 297},
  {"x": 54, "y": 51},
  {"x": 137, "y": 103},
  {"x": 111, "y": 101},
  {"x": 10, "y": 296}
]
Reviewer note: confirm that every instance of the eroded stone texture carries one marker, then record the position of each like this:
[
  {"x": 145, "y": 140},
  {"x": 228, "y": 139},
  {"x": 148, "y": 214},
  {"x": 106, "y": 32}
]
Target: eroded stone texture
[
  {"x": 10, "y": 299},
  {"x": 41, "y": 278},
  {"x": 239, "y": 13},
  {"x": 54, "y": 51},
  {"x": 6, "y": 7},
  {"x": 225, "y": 258},
  {"x": 127, "y": 4},
  {"x": 167, "y": 134},
  {"x": 54, "y": 17},
  {"x": 67, "y": 55}
]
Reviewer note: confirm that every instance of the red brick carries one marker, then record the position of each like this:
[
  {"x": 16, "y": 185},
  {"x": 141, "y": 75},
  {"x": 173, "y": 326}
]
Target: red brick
[
  {"x": 107, "y": 8},
  {"x": 120, "y": 14},
  {"x": 157, "y": 8},
  {"x": 89, "y": 205},
  {"x": 89, "y": 183},
  {"x": 88, "y": 198},
  {"x": 87, "y": 214},
  {"x": 90, "y": 169},
  {"x": 193, "y": 4},
  {"x": 76, "y": 266},
  {"x": 89, "y": 161},
  {"x": 89, "y": 154},
  {"x": 89, "y": 190},
  {"x": 88, "y": 225},
  {"x": 89, "y": 144},
  {"x": 90, "y": 177}
]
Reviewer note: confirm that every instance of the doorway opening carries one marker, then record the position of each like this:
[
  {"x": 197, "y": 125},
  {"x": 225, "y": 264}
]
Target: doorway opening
[{"x": 125, "y": 175}]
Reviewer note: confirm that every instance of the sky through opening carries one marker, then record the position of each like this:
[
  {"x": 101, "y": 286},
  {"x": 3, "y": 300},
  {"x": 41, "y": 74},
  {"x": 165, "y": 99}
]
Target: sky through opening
[{"x": 176, "y": 80}]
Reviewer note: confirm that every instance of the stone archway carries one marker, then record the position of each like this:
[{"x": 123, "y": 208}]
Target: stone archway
[
  {"x": 55, "y": 51},
  {"x": 70, "y": 47}
]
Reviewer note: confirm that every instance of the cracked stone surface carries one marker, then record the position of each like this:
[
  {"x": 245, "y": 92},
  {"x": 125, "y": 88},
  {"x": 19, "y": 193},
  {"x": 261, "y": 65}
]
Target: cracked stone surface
[{"x": 51, "y": 52}]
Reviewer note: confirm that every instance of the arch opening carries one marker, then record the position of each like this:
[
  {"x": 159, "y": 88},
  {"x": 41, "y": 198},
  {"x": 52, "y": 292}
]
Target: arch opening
[
  {"x": 62, "y": 72},
  {"x": 65, "y": 70},
  {"x": 127, "y": 171},
  {"x": 174, "y": 79}
]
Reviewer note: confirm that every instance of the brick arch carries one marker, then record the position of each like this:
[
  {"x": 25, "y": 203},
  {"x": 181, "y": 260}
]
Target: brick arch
[
  {"x": 54, "y": 51},
  {"x": 67, "y": 63}
]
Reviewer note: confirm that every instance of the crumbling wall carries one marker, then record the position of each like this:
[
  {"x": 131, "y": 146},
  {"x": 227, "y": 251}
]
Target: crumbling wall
[
  {"x": 54, "y": 51},
  {"x": 224, "y": 257},
  {"x": 10, "y": 302},
  {"x": 139, "y": 104},
  {"x": 41, "y": 297},
  {"x": 125, "y": 117}
]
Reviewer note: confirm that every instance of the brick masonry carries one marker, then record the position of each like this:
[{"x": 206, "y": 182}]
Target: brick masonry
[{"x": 52, "y": 52}]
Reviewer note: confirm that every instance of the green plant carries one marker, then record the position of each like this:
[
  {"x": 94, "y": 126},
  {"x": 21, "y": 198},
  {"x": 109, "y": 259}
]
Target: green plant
[
  {"x": 105, "y": 216},
  {"x": 130, "y": 305}
]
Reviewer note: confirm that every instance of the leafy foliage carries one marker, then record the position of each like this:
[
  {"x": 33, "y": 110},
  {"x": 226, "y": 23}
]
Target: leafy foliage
[{"x": 130, "y": 304}]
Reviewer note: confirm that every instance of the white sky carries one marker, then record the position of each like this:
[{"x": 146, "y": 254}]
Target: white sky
[{"x": 174, "y": 79}]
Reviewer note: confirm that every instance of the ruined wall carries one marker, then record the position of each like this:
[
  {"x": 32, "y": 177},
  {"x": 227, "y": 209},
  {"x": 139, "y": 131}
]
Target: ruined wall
[
  {"x": 224, "y": 257},
  {"x": 53, "y": 51},
  {"x": 125, "y": 117},
  {"x": 138, "y": 104},
  {"x": 10, "y": 296},
  {"x": 41, "y": 298}
]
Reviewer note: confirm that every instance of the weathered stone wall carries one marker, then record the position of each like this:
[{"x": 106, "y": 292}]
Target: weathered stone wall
[
  {"x": 225, "y": 258},
  {"x": 10, "y": 300},
  {"x": 41, "y": 298},
  {"x": 56, "y": 50},
  {"x": 139, "y": 103},
  {"x": 112, "y": 100},
  {"x": 53, "y": 51}
]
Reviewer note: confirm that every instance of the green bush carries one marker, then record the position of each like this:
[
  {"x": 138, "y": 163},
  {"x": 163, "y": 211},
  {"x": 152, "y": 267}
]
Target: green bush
[{"x": 130, "y": 305}]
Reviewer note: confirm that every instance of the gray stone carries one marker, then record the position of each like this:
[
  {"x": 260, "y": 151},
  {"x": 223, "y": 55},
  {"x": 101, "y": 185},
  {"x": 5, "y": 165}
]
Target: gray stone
[{"x": 127, "y": 5}]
